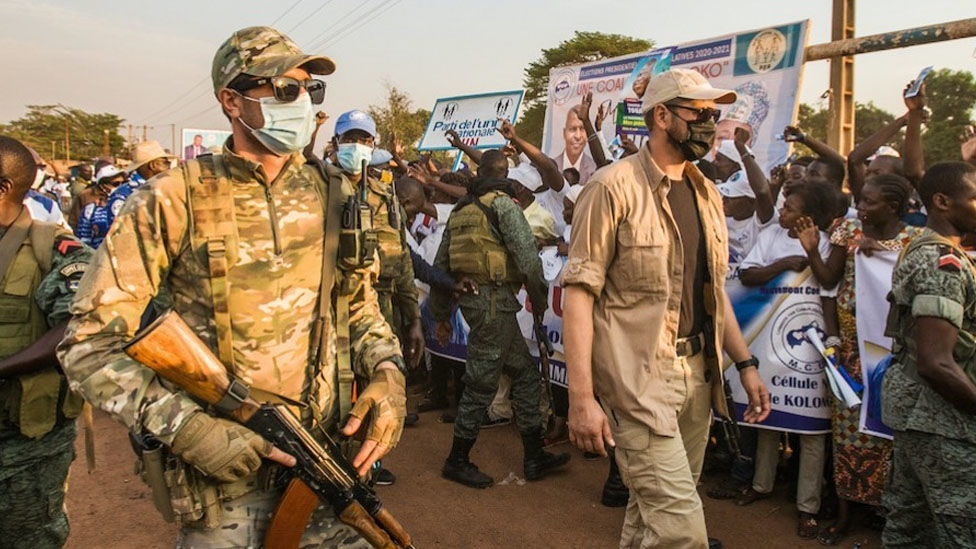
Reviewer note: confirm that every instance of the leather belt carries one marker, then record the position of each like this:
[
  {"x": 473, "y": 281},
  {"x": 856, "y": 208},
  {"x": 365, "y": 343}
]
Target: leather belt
[{"x": 689, "y": 346}]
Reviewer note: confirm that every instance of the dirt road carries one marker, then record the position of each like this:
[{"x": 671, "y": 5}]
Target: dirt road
[{"x": 111, "y": 508}]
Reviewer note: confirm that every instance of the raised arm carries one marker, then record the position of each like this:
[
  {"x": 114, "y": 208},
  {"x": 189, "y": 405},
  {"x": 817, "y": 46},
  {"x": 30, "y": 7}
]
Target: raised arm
[
  {"x": 857, "y": 158},
  {"x": 422, "y": 173},
  {"x": 455, "y": 141},
  {"x": 821, "y": 149},
  {"x": 551, "y": 177},
  {"x": 913, "y": 159},
  {"x": 967, "y": 147},
  {"x": 765, "y": 204},
  {"x": 592, "y": 133}
]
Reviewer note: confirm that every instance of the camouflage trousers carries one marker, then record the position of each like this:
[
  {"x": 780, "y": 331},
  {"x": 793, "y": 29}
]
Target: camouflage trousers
[
  {"x": 33, "y": 475},
  {"x": 496, "y": 346},
  {"x": 931, "y": 492},
  {"x": 245, "y": 520}
]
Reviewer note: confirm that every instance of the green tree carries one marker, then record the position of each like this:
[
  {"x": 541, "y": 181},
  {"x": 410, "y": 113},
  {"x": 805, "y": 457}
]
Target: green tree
[
  {"x": 951, "y": 96},
  {"x": 43, "y": 125},
  {"x": 398, "y": 117},
  {"x": 868, "y": 119},
  {"x": 581, "y": 48}
]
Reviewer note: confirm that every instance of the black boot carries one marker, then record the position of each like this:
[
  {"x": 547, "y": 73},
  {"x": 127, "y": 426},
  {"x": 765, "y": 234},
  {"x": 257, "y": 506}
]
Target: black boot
[
  {"x": 615, "y": 493},
  {"x": 539, "y": 462},
  {"x": 458, "y": 467}
]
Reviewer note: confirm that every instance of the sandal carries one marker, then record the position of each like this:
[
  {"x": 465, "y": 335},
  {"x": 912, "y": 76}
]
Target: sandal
[
  {"x": 750, "y": 496},
  {"x": 831, "y": 535},
  {"x": 807, "y": 526}
]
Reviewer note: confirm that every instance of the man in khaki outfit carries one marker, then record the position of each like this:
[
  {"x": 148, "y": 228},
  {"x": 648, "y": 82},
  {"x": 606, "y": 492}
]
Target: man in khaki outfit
[{"x": 646, "y": 312}]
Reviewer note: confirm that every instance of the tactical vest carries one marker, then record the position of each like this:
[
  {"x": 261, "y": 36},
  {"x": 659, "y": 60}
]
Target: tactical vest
[
  {"x": 391, "y": 248},
  {"x": 33, "y": 403},
  {"x": 476, "y": 248}
]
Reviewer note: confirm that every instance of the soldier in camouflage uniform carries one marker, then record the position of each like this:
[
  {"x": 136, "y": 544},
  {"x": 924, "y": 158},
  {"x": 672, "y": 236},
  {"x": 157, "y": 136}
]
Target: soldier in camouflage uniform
[
  {"x": 40, "y": 266},
  {"x": 238, "y": 239},
  {"x": 929, "y": 392},
  {"x": 488, "y": 240},
  {"x": 81, "y": 181},
  {"x": 354, "y": 141}
]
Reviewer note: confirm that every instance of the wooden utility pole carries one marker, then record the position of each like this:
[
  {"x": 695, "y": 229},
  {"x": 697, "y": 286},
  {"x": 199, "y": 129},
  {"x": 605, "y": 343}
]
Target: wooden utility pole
[
  {"x": 144, "y": 137},
  {"x": 172, "y": 129},
  {"x": 840, "y": 130},
  {"x": 106, "y": 148},
  {"x": 128, "y": 139}
]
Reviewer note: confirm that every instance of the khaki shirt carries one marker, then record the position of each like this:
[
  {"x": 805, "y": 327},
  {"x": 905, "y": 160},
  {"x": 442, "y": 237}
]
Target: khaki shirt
[{"x": 626, "y": 251}]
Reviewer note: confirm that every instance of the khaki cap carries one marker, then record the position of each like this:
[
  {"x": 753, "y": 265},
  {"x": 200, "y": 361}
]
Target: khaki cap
[
  {"x": 144, "y": 153},
  {"x": 684, "y": 83},
  {"x": 262, "y": 51}
]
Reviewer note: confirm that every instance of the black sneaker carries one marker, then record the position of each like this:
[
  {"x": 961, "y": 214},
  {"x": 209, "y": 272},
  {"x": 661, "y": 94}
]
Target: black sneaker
[
  {"x": 411, "y": 420},
  {"x": 385, "y": 478},
  {"x": 466, "y": 473},
  {"x": 591, "y": 456}
]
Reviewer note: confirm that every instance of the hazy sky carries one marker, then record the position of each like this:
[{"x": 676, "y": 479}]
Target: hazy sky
[{"x": 135, "y": 58}]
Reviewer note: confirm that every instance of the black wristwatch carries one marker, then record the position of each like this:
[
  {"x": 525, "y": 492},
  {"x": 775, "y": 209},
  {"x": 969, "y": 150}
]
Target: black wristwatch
[{"x": 751, "y": 361}]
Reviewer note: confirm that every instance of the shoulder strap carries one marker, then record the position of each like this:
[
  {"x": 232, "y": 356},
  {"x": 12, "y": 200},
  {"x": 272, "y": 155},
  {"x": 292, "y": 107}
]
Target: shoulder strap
[
  {"x": 330, "y": 250},
  {"x": 490, "y": 213},
  {"x": 12, "y": 240},
  {"x": 42, "y": 240},
  {"x": 212, "y": 224}
]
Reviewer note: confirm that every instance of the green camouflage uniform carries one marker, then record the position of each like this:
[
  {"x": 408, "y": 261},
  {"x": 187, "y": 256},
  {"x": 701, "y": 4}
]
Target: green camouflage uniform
[
  {"x": 77, "y": 186},
  {"x": 395, "y": 288},
  {"x": 273, "y": 299},
  {"x": 495, "y": 342},
  {"x": 931, "y": 492},
  {"x": 37, "y": 430}
]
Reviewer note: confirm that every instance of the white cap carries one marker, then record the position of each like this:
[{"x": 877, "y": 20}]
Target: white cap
[
  {"x": 684, "y": 83},
  {"x": 527, "y": 176},
  {"x": 573, "y": 193},
  {"x": 736, "y": 186},
  {"x": 726, "y": 148},
  {"x": 108, "y": 172},
  {"x": 884, "y": 150}
]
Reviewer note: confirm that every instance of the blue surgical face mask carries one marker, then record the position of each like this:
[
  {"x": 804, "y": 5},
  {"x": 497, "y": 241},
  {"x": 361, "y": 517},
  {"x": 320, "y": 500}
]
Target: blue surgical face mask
[
  {"x": 351, "y": 156},
  {"x": 288, "y": 127}
]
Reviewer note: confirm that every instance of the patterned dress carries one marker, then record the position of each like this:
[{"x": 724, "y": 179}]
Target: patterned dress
[{"x": 861, "y": 461}]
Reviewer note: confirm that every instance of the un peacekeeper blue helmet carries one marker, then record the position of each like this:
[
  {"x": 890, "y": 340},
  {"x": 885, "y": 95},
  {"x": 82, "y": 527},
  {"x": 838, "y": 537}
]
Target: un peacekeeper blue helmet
[
  {"x": 381, "y": 157},
  {"x": 355, "y": 120}
]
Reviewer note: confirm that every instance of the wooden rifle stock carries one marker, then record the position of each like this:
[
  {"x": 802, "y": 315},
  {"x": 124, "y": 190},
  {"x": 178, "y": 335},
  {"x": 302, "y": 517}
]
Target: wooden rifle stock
[{"x": 170, "y": 348}]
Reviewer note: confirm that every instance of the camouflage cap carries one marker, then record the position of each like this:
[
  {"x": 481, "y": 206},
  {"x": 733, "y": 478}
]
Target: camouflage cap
[{"x": 262, "y": 51}]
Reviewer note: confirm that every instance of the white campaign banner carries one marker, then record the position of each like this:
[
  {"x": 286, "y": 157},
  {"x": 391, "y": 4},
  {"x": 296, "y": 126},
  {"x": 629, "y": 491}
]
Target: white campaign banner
[
  {"x": 763, "y": 66},
  {"x": 873, "y": 276},
  {"x": 775, "y": 319},
  {"x": 474, "y": 118}
]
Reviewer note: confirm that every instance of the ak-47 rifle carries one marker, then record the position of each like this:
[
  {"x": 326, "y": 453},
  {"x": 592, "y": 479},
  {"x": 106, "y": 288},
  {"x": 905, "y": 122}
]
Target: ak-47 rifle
[
  {"x": 545, "y": 351},
  {"x": 730, "y": 427},
  {"x": 170, "y": 348}
]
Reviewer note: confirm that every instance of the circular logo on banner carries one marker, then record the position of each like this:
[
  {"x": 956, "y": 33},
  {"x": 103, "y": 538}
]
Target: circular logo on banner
[
  {"x": 563, "y": 85},
  {"x": 788, "y": 339},
  {"x": 766, "y": 50}
]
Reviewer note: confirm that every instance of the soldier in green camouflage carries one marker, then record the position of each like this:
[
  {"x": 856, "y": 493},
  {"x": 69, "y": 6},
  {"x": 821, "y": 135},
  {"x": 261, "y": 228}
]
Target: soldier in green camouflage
[
  {"x": 81, "y": 181},
  {"x": 928, "y": 395},
  {"x": 489, "y": 241},
  {"x": 40, "y": 266},
  {"x": 239, "y": 240},
  {"x": 355, "y": 135}
]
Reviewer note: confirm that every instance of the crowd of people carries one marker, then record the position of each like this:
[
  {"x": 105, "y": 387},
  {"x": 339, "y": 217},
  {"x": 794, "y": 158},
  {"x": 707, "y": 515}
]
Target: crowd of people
[{"x": 237, "y": 241}]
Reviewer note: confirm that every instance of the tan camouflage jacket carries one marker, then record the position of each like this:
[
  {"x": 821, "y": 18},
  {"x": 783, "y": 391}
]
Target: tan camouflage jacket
[{"x": 273, "y": 298}]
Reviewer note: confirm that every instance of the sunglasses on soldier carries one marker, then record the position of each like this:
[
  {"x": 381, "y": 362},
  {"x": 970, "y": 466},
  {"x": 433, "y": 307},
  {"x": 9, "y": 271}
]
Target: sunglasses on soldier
[
  {"x": 701, "y": 115},
  {"x": 285, "y": 88}
]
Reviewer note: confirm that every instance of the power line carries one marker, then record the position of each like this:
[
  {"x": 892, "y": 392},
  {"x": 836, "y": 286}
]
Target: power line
[
  {"x": 379, "y": 10},
  {"x": 287, "y": 11},
  {"x": 335, "y": 24},
  {"x": 309, "y": 16}
]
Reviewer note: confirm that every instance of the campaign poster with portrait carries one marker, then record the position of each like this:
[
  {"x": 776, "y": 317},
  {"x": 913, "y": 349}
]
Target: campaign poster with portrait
[
  {"x": 763, "y": 66},
  {"x": 197, "y": 141}
]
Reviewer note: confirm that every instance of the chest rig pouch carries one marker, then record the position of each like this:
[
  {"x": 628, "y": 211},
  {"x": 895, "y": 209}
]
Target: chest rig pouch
[{"x": 357, "y": 237}]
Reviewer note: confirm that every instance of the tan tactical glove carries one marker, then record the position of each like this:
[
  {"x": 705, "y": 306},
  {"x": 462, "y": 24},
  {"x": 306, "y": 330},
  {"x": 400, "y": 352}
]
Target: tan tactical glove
[
  {"x": 386, "y": 397},
  {"x": 220, "y": 448}
]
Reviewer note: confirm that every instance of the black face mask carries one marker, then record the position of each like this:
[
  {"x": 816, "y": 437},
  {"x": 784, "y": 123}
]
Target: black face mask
[{"x": 701, "y": 136}]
